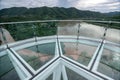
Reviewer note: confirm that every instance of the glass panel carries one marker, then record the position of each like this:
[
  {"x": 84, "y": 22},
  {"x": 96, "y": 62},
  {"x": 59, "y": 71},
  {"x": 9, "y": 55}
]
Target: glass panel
[
  {"x": 78, "y": 52},
  {"x": 38, "y": 55},
  {"x": 91, "y": 30},
  {"x": 16, "y": 32},
  {"x": 110, "y": 63},
  {"x": 1, "y": 37},
  {"x": 46, "y": 29},
  {"x": 73, "y": 75},
  {"x": 68, "y": 28},
  {"x": 50, "y": 77},
  {"x": 113, "y": 35},
  {"x": 7, "y": 70}
]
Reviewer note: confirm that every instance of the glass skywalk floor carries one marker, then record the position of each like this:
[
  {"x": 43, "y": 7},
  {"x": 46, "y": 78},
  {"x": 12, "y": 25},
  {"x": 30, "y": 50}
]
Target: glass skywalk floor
[
  {"x": 59, "y": 53},
  {"x": 7, "y": 69},
  {"x": 38, "y": 55}
]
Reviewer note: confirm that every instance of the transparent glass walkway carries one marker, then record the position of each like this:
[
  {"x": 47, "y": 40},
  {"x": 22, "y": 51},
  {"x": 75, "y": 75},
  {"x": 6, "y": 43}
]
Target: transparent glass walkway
[{"x": 60, "y": 50}]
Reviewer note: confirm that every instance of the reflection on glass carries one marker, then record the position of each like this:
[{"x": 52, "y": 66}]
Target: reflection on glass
[
  {"x": 1, "y": 37},
  {"x": 110, "y": 64},
  {"x": 16, "y": 32},
  {"x": 38, "y": 55},
  {"x": 7, "y": 70},
  {"x": 78, "y": 52},
  {"x": 73, "y": 75},
  {"x": 68, "y": 28},
  {"x": 113, "y": 35},
  {"x": 22, "y": 31},
  {"x": 6, "y": 36},
  {"x": 91, "y": 30}
]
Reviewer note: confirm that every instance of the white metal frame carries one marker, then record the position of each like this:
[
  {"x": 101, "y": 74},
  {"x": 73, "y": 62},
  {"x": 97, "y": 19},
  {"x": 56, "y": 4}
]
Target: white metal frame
[
  {"x": 57, "y": 68},
  {"x": 22, "y": 72},
  {"x": 99, "y": 57}
]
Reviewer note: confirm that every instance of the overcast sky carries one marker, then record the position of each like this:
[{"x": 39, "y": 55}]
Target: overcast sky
[{"x": 93, "y": 5}]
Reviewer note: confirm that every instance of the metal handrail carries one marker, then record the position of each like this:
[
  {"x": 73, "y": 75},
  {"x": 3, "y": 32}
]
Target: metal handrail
[{"x": 42, "y": 21}]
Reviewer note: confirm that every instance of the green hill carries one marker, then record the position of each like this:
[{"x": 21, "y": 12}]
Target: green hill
[{"x": 42, "y": 13}]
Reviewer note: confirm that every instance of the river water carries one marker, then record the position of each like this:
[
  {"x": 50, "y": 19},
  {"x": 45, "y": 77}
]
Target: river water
[{"x": 88, "y": 30}]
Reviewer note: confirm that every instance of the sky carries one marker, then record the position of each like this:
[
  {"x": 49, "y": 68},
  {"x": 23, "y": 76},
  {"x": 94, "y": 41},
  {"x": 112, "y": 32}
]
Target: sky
[{"x": 103, "y": 6}]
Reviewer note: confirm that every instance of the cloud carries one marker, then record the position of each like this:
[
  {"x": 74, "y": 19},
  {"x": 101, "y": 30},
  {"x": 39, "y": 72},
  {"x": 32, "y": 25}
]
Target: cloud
[
  {"x": 94, "y": 5},
  {"x": 26, "y": 3},
  {"x": 99, "y": 5}
]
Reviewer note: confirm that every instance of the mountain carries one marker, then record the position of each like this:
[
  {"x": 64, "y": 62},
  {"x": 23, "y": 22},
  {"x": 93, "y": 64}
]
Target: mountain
[
  {"x": 114, "y": 16},
  {"x": 42, "y": 13},
  {"x": 13, "y": 11},
  {"x": 111, "y": 14}
]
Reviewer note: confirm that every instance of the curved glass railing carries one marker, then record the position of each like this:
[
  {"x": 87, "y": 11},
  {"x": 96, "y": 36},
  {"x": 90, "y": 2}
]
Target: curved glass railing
[{"x": 59, "y": 49}]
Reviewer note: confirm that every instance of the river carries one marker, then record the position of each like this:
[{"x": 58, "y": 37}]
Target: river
[{"x": 88, "y": 30}]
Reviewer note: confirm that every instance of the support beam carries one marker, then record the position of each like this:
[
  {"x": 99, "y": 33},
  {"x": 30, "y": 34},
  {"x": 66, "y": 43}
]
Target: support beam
[
  {"x": 57, "y": 72},
  {"x": 64, "y": 74},
  {"x": 22, "y": 72}
]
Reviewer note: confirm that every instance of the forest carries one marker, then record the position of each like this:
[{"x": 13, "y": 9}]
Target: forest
[{"x": 51, "y": 13}]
